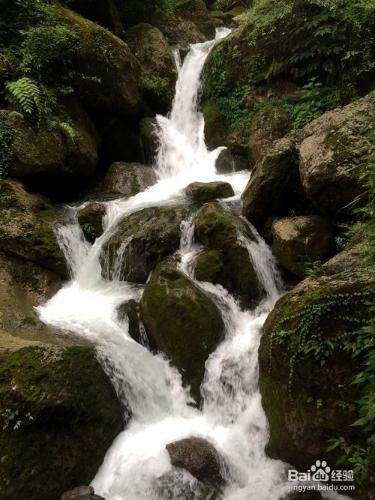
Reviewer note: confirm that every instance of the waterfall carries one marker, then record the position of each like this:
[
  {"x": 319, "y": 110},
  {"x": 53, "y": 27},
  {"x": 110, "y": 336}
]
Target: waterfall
[{"x": 137, "y": 465}]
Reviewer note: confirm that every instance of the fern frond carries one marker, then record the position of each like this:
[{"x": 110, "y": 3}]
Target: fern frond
[{"x": 26, "y": 95}]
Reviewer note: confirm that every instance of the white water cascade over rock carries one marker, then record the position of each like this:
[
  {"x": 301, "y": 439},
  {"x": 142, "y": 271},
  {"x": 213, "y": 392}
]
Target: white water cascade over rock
[{"x": 137, "y": 466}]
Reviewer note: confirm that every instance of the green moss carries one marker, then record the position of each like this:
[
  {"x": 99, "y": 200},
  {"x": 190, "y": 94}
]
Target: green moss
[
  {"x": 59, "y": 415},
  {"x": 182, "y": 322}
]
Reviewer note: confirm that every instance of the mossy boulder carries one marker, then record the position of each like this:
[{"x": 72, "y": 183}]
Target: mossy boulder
[
  {"x": 196, "y": 11},
  {"x": 202, "y": 192},
  {"x": 107, "y": 73},
  {"x": 307, "y": 366},
  {"x": 59, "y": 415},
  {"x": 226, "y": 260},
  {"x": 268, "y": 125},
  {"x": 127, "y": 179},
  {"x": 275, "y": 186},
  {"x": 182, "y": 322},
  {"x": 90, "y": 219},
  {"x": 333, "y": 148},
  {"x": 55, "y": 160},
  {"x": 23, "y": 286},
  {"x": 316, "y": 168},
  {"x": 300, "y": 242},
  {"x": 178, "y": 31},
  {"x": 27, "y": 227},
  {"x": 215, "y": 130},
  {"x": 145, "y": 239},
  {"x": 159, "y": 72}
]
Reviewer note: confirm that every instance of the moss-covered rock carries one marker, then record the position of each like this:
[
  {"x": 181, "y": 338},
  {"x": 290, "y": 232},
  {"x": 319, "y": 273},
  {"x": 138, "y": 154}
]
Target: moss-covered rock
[
  {"x": 275, "y": 187},
  {"x": 202, "y": 192},
  {"x": 333, "y": 148},
  {"x": 196, "y": 11},
  {"x": 27, "y": 227},
  {"x": 307, "y": 364},
  {"x": 267, "y": 126},
  {"x": 107, "y": 75},
  {"x": 145, "y": 239},
  {"x": 316, "y": 166},
  {"x": 159, "y": 73},
  {"x": 215, "y": 131},
  {"x": 59, "y": 414},
  {"x": 55, "y": 160},
  {"x": 127, "y": 179},
  {"x": 182, "y": 322},
  {"x": 227, "y": 261},
  {"x": 90, "y": 219},
  {"x": 23, "y": 286},
  {"x": 300, "y": 242}
]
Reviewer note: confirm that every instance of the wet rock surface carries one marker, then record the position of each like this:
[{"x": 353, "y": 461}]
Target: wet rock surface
[
  {"x": 199, "y": 457},
  {"x": 182, "y": 322},
  {"x": 142, "y": 240},
  {"x": 127, "y": 179},
  {"x": 202, "y": 192},
  {"x": 90, "y": 219}
]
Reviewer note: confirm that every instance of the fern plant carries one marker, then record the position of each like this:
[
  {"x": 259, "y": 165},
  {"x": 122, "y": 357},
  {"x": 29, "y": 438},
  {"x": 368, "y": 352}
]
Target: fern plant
[{"x": 25, "y": 94}]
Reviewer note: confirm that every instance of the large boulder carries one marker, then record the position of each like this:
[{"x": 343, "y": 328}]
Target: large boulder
[
  {"x": 267, "y": 126},
  {"x": 59, "y": 415},
  {"x": 196, "y": 11},
  {"x": 23, "y": 286},
  {"x": 226, "y": 260},
  {"x": 182, "y": 322},
  {"x": 308, "y": 361},
  {"x": 199, "y": 457},
  {"x": 159, "y": 73},
  {"x": 300, "y": 242},
  {"x": 274, "y": 188},
  {"x": 202, "y": 192},
  {"x": 90, "y": 219},
  {"x": 107, "y": 73},
  {"x": 317, "y": 166},
  {"x": 27, "y": 227},
  {"x": 55, "y": 160},
  {"x": 127, "y": 179},
  {"x": 141, "y": 241},
  {"x": 333, "y": 148}
]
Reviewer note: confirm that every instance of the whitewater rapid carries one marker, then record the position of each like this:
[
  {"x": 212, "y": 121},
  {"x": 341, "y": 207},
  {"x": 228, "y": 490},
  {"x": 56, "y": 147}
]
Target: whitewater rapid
[{"x": 137, "y": 465}]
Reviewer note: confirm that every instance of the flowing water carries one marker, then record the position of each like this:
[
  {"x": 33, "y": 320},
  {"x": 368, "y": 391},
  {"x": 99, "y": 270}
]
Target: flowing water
[{"x": 137, "y": 466}]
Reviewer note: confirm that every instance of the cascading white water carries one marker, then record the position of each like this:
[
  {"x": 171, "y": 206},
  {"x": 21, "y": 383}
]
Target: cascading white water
[{"x": 137, "y": 466}]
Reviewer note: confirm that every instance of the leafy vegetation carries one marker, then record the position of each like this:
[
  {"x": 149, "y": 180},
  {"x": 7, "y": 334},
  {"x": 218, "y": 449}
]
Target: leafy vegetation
[
  {"x": 300, "y": 39},
  {"x": 6, "y": 141},
  {"x": 325, "y": 47},
  {"x": 38, "y": 47}
]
